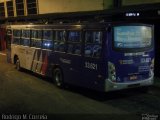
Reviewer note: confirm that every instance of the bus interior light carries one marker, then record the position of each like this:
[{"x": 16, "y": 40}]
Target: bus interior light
[{"x": 47, "y": 44}]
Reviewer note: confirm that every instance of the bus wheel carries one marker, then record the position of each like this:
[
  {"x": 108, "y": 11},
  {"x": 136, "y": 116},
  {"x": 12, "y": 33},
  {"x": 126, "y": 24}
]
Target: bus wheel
[
  {"x": 58, "y": 77},
  {"x": 18, "y": 67}
]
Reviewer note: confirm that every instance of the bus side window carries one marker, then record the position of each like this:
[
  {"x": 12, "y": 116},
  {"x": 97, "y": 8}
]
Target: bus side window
[
  {"x": 36, "y": 38},
  {"x": 93, "y": 43},
  {"x": 16, "y": 36},
  {"x": 25, "y": 38},
  {"x": 88, "y": 50},
  {"x": 74, "y": 42},
  {"x": 59, "y": 42},
  {"x": 47, "y": 39}
]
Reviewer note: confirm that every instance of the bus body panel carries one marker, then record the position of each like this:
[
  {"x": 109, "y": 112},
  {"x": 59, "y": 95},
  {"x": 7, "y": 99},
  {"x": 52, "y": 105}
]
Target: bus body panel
[
  {"x": 113, "y": 70},
  {"x": 80, "y": 71},
  {"x": 129, "y": 68},
  {"x": 70, "y": 65},
  {"x": 135, "y": 68},
  {"x": 32, "y": 59}
]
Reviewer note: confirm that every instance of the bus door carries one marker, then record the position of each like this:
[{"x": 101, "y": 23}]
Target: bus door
[
  {"x": 8, "y": 44},
  {"x": 73, "y": 59},
  {"x": 92, "y": 63}
]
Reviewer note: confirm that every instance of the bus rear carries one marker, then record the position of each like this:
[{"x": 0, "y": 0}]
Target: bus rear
[{"x": 130, "y": 56}]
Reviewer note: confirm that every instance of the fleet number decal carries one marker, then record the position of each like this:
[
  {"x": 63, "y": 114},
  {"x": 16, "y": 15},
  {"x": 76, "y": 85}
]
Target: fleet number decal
[{"x": 92, "y": 66}]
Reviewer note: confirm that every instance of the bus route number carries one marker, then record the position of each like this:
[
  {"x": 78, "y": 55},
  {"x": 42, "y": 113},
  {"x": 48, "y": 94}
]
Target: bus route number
[{"x": 92, "y": 66}]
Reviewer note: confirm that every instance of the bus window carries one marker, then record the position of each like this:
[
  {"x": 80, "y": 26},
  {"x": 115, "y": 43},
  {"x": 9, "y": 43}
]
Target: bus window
[
  {"x": 47, "y": 39},
  {"x": 34, "y": 33},
  {"x": 60, "y": 35},
  {"x": 36, "y": 40},
  {"x": 36, "y": 43},
  {"x": 132, "y": 37},
  {"x": 74, "y": 42},
  {"x": 39, "y": 34},
  {"x": 59, "y": 42},
  {"x": 25, "y": 38},
  {"x": 93, "y": 43},
  {"x": 74, "y": 36},
  {"x": 16, "y": 36},
  {"x": 48, "y": 34}
]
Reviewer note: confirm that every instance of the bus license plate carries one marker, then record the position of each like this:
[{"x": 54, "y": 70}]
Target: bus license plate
[{"x": 133, "y": 77}]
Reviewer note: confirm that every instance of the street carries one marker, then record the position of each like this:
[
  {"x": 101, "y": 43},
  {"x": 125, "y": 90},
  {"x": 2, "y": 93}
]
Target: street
[{"x": 27, "y": 93}]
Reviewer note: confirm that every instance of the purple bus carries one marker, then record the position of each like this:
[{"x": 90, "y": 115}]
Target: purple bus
[{"x": 99, "y": 56}]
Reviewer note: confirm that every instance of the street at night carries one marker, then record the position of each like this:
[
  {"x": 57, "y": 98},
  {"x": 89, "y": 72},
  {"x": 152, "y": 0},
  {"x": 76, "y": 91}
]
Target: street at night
[{"x": 25, "y": 92}]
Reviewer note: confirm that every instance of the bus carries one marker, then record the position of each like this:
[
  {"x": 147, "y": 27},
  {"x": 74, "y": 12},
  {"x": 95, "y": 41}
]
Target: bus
[{"x": 99, "y": 56}]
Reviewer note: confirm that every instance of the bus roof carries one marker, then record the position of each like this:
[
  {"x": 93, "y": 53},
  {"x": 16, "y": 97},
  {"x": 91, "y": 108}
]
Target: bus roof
[{"x": 60, "y": 26}]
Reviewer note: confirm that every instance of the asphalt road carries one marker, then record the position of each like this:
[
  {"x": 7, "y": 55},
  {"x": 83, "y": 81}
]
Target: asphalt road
[{"x": 26, "y": 93}]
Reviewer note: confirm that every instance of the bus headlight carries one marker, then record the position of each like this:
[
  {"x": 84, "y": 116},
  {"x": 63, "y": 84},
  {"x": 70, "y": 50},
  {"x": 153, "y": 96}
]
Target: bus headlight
[
  {"x": 111, "y": 72},
  {"x": 152, "y": 68}
]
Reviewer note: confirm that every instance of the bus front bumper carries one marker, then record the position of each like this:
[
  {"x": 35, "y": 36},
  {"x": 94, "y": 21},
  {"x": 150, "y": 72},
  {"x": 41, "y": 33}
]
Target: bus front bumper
[{"x": 112, "y": 86}]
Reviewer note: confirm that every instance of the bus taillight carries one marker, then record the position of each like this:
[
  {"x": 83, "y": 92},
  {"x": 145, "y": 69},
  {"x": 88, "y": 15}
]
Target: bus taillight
[{"x": 111, "y": 72}]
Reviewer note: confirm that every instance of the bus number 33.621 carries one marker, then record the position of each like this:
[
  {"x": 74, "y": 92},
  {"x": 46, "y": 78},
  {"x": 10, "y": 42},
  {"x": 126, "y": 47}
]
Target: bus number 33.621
[{"x": 92, "y": 66}]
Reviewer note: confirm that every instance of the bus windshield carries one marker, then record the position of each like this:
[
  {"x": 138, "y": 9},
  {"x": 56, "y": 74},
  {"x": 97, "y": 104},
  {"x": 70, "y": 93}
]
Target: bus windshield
[{"x": 132, "y": 37}]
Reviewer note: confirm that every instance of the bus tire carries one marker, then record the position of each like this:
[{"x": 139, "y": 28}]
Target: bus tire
[
  {"x": 58, "y": 77},
  {"x": 18, "y": 67}
]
